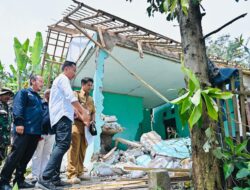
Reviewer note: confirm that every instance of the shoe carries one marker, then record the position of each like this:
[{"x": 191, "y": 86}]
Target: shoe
[
  {"x": 23, "y": 185},
  {"x": 60, "y": 183},
  {"x": 84, "y": 177},
  {"x": 74, "y": 180},
  {"x": 85, "y": 169},
  {"x": 5, "y": 187},
  {"x": 33, "y": 181},
  {"x": 46, "y": 185}
]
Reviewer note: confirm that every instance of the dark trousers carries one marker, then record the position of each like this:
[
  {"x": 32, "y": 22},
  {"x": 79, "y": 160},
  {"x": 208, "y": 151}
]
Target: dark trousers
[
  {"x": 62, "y": 129},
  {"x": 22, "y": 151}
]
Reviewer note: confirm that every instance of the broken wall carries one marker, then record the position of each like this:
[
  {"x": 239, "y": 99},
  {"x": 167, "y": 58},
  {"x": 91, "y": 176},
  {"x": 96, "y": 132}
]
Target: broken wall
[
  {"x": 165, "y": 112},
  {"x": 129, "y": 112}
]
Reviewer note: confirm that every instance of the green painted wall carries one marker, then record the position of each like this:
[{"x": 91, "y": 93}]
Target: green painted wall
[
  {"x": 128, "y": 110},
  {"x": 146, "y": 123},
  {"x": 171, "y": 111}
]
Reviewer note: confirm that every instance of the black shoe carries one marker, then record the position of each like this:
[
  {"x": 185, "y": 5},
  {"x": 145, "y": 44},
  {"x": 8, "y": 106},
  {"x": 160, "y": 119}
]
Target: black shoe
[
  {"x": 60, "y": 183},
  {"x": 5, "y": 187},
  {"x": 24, "y": 185},
  {"x": 33, "y": 181},
  {"x": 46, "y": 185}
]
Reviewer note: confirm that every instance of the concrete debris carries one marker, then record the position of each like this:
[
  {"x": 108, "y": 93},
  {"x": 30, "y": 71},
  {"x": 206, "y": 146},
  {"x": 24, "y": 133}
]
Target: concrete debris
[
  {"x": 136, "y": 174},
  {"x": 130, "y": 144},
  {"x": 178, "y": 148},
  {"x": 143, "y": 160},
  {"x": 110, "y": 125},
  {"x": 109, "y": 129},
  {"x": 102, "y": 170},
  {"x": 149, "y": 140},
  {"x": 108, "y": 118},
  {"x": 151, "y": 152}
]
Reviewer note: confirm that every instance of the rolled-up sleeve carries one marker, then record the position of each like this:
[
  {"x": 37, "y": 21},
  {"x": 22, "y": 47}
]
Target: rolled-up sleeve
[{"x": 67, "y": 90}]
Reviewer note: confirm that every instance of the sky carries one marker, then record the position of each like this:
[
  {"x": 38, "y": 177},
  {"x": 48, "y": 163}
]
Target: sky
[{"x": 23, "y": 18}]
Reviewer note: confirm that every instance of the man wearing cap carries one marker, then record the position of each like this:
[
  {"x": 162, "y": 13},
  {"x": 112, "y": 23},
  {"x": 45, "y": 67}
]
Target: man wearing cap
[{"x": 5, "y": 122}]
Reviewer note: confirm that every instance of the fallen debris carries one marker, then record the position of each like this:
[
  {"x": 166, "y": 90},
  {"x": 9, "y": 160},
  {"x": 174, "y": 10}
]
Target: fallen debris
[
  {"x": 151, "y": 153},
  {"x": 109, "y": 129},
  {"x": 127, "y": 142}
]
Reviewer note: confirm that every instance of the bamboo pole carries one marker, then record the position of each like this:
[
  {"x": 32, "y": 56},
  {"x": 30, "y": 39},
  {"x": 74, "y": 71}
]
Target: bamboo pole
[
  {"x": 221, "y": 123},
  {"x": 235, "y": 105},
  {"x": 242, "y": 106},
  {"x": 119, "y": 62},
  {"x": 51, "y": 66},
  {"x": 45, "y": 51},
  {"x": 229, "y": 120}
]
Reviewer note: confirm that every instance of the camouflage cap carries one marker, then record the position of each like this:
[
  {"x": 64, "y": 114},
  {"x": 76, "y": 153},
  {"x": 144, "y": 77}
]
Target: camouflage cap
[{"x": 5, "y": 90}]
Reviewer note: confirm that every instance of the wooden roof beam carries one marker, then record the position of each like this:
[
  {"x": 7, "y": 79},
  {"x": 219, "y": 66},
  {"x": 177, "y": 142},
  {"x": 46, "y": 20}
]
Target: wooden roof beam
[
  {"x": 80, "y": 24},
  {"x": 90, "y": 17},
  {"x": 128, "y": 30},
  {"x": 117, "y": 27},
  {"x": 64, "y": 30},
  {"x": 103, "y": 21}
]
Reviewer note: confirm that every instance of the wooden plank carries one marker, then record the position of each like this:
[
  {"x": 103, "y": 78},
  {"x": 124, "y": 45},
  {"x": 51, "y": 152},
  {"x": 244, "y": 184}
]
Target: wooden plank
[
  {"x": 242, "y": 106},
  {"x": 221, "y": 123},
  {"x": 236, "y": 109},
  {"x": 65, "y": 30},
  {"x": 248, "y": 115},
  {"x": 56, "y": 62},
  {"x": 149, "y": 169},
  {"x": 114, "y": 185},
  {"x": 127, "y": 142},
  {"x": 45, "y": 51},
  {"x": 101, "y": 37},
  {"x": 229, "y": 120},
  {"x": 111, "y": 152}
]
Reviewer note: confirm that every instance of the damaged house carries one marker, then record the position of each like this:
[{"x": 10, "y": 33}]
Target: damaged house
[{"x": 136, "y": 72}]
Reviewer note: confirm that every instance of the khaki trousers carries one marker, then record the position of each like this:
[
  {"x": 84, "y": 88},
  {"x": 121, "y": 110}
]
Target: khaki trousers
[{"x": 77, "y": 150}]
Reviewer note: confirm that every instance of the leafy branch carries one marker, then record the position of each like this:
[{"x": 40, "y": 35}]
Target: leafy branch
[{"x": 195, "y": 98}]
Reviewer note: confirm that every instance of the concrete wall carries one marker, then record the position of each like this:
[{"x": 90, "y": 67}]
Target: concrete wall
[
  {"x": 164, "y": 112},
  {"x": 128, "y": 110}
]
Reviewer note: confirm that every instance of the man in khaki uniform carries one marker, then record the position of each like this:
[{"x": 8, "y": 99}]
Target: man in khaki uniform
[{"x": 76, "y": 153}]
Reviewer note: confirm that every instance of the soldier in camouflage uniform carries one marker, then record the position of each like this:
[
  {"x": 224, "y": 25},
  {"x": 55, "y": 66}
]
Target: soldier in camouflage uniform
[{"x": 5, "y": 122}]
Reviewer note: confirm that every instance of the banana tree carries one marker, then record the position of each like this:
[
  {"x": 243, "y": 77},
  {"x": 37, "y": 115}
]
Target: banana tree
[{"x": 28, "y": 59}]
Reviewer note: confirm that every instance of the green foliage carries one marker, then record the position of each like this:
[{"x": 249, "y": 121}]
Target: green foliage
[
  {"x": 15, "y": 187},
  {"x": 28, "y": 61},
  {"x": 235, "y": 162},
  {"x": 166, "y": 6},
  {"x": 36, "y": 52},
  {"x": 232, "y": 50},
  {"x": 194, "y": 98}
]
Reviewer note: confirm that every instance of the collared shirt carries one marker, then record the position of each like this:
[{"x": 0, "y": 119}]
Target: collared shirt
[
  {"x": 61, "y": 97},
  {"x": 86, "y": 101}
]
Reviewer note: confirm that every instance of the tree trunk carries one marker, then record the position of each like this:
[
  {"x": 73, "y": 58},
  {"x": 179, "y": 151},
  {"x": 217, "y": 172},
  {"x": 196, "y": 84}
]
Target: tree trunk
[{"x": 206, "y": 171}]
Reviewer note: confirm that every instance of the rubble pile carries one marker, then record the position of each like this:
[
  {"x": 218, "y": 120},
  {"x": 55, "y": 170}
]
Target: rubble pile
[
  {"x": 150, "y": 152},
  {"x": 110, "y": 125},
  {"x": 109, "y": 129}
]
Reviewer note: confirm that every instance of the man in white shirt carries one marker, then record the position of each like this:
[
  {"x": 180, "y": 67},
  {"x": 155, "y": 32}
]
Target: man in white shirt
[{"x": 63, "y": 103}]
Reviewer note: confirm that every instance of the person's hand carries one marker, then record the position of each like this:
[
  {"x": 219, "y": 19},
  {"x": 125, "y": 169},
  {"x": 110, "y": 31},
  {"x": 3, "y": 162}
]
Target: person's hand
[
  {"x": 20, "y": 130},
  {"x": 76, "y": 114},
  {"x": 85, "y": 117},
  {"x": 86, "y": 124}
]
